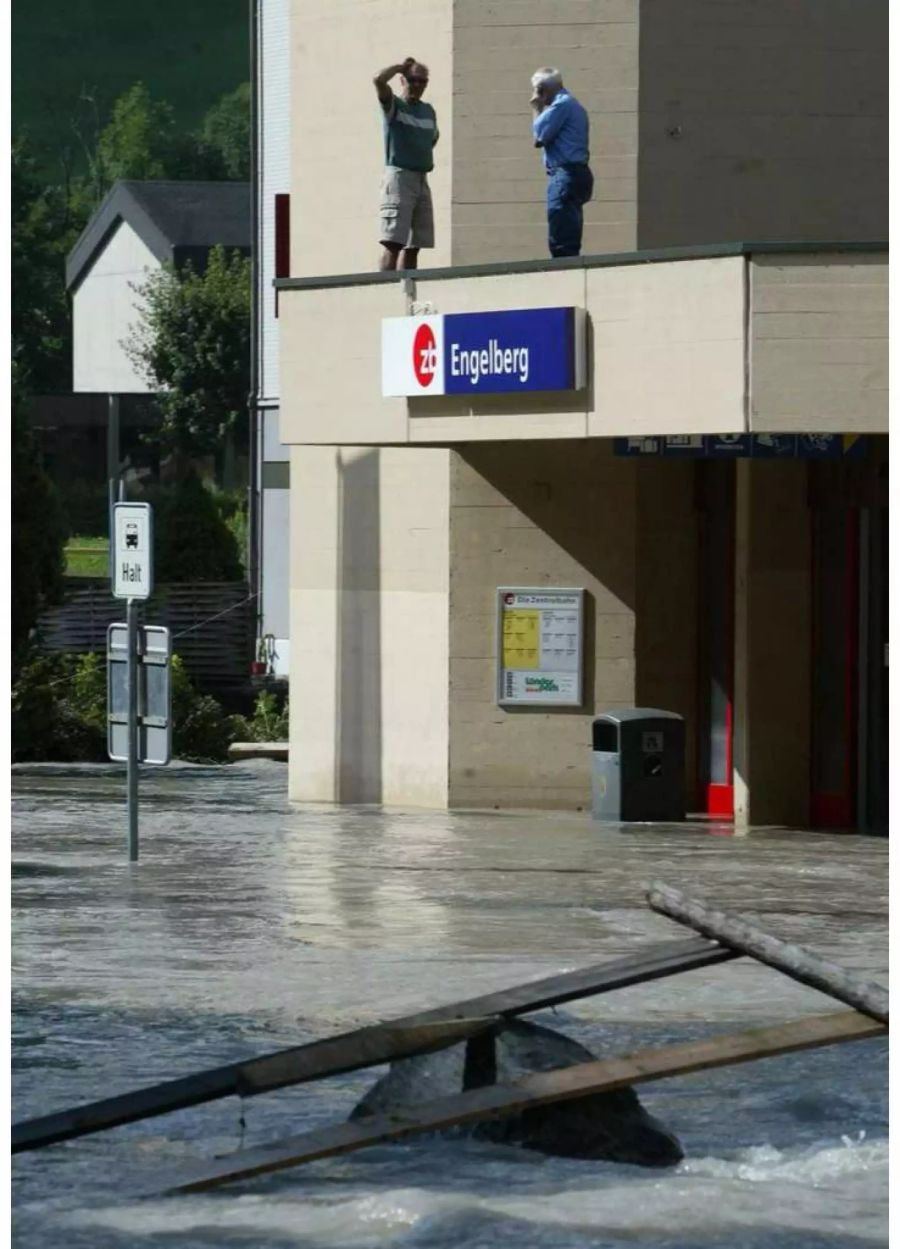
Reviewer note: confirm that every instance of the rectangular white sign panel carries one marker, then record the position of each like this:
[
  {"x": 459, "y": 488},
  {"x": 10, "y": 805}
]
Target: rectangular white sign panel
[
  {"x": 539, "y": 646},
  {"x": 154, "y": 710},
  {"x": 132, "y": 550}
]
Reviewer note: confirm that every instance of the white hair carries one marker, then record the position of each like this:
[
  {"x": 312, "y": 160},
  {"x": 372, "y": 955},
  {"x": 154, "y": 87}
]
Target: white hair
[{"x": 547, "y": 76}]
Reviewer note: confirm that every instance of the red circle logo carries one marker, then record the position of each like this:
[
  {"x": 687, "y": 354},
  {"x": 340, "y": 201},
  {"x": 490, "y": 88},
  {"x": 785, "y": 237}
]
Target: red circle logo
[{"x": 424, "y": 355}]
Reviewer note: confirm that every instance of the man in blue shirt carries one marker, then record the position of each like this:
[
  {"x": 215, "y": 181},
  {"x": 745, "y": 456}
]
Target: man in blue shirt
[{"x": 561, "y": 129}]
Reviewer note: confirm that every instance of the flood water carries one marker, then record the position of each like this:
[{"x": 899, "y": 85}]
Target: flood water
[{"x": 251, "y": 924}]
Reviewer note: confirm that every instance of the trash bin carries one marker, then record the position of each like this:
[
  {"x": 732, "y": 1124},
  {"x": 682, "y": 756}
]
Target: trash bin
[{"x": 637, "y": 767}]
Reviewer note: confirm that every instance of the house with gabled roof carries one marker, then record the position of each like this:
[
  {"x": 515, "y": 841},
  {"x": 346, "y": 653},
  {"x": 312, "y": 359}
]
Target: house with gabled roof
[{"x": 139, "y": 227}]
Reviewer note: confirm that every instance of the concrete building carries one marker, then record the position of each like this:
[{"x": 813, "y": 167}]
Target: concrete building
[
  {"x": 270, "y": 27},
  {"x": 714, "y": 487}
]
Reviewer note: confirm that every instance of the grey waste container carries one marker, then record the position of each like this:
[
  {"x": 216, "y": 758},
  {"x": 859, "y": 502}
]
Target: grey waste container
[{"x": 637, "y": 767}]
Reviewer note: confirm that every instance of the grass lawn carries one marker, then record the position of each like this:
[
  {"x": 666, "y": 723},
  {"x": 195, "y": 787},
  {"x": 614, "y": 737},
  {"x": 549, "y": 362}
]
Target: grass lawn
[{"x": 87, "y": 557}]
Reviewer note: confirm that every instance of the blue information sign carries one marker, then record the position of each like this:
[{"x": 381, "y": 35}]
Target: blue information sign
[
  {"x": 744, "y": 446},
  {"x": 496, "y": 352},
  {"x": 484, "y": 353}
]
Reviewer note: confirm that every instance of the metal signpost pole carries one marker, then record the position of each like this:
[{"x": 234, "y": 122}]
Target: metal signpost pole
[
  {"x": 132, "y": 766},
  {"x": 131, "y": 542}
]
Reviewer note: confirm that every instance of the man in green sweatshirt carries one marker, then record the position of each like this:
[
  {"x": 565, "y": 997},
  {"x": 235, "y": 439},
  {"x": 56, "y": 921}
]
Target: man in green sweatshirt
[{"x": 410, "y": 133}]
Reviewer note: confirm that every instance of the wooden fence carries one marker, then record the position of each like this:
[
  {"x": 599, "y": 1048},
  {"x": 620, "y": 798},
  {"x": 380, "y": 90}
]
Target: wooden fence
[{"x": 212, "y": 624}]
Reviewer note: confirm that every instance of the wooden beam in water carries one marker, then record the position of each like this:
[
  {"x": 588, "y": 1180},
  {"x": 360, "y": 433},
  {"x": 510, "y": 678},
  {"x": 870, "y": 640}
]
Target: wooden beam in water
[
  {"x": 792, "y": 960},
  {"x": 365, "y": 1047},
  {"x": 500, "y": 1100}
]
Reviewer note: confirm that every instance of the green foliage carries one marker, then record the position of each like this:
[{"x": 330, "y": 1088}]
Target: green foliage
[
  {"x": 232, "y": 506},
  {"x": 269, "y": 722},
  {"x": 140, "y": 140},
  {"x": 224, "y": 138},
  {"x": 59, "y": 710},
  {"x": 38, "y": 532},
  {"x": 201, "y": 731},
  {"x": 86, "y": 506},
  {"x": 59, "y": 713},
  {"x": 86, "y": 695},
  {"x": 188, "y": 54},
  {"x": 46, "y": 221},
  {"x": 192, "y": 345},
  {"x": 188, "y": 508}
]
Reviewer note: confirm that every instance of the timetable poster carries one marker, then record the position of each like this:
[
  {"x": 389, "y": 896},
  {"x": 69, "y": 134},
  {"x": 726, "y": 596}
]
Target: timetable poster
[{"x": 539, "y": 647}]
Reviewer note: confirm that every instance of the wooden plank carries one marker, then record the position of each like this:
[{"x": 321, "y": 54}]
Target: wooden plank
[
  {"x": 499, "y": 1100},
  {"x": 329, "y": 1057},
  {"x": 793, "y": 960},
  {"x": 364, "y": 1048}
]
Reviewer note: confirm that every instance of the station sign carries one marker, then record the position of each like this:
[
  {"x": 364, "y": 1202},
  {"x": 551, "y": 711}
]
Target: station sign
[
  {"x": 132, "y": 550},
  {"x": 484, "y": 353},
  {"x": 539, "y": 646},
  {"x": 745, "y": 446}
]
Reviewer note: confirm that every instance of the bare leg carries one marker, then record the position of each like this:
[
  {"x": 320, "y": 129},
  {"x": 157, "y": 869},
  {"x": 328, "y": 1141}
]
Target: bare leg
[
  {"x": 410, "y": 258},
  {"x": 389, "y": 255}
]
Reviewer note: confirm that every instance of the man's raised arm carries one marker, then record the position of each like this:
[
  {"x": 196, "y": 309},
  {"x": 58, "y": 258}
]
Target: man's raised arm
[{"x": 383, "y": 91}]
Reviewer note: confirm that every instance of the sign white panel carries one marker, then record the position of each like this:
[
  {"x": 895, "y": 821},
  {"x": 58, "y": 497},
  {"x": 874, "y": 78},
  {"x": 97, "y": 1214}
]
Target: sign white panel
[
  {"x": 132, "y": 548},
  {"x": 412, "y": 356},
  {"x": 154, "y": 699},
  {"x": 539, "y": 646}
]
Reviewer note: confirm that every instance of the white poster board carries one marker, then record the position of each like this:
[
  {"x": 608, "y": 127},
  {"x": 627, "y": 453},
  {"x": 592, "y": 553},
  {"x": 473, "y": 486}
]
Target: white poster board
[{"x": 539, "y": 646}]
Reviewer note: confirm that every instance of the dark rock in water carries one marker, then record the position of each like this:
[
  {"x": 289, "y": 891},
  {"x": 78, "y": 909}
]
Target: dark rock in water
[{"x": 611, "y": 1125}]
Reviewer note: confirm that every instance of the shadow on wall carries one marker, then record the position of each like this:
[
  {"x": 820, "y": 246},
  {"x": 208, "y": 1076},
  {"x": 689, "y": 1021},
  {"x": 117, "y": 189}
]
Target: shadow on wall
[
  {"x": 570, "y": 521},
  {"x": 358, "y": 694}
]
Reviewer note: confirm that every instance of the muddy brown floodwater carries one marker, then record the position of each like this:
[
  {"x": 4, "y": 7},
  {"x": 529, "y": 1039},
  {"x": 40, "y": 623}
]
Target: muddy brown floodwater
[{"x": 252, "y": 924}]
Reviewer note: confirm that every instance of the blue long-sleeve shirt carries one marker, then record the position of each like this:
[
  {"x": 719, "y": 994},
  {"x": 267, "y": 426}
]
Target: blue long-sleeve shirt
[{"x": 562, "y": 130}]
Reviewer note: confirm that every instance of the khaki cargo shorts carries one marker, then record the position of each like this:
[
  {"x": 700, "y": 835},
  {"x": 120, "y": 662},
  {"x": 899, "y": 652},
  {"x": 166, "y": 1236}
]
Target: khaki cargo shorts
[{"x": 407, "y": 217}]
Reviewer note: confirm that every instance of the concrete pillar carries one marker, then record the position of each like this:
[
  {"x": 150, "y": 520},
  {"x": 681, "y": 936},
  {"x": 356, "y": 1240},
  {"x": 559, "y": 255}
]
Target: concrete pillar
[
  {"x": 772, "y": 644},
  {"x": 369, "y": 625}
]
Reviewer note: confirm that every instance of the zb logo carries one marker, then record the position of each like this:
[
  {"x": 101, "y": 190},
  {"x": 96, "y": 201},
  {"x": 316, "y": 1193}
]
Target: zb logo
[{"x": 424, "y": 355}]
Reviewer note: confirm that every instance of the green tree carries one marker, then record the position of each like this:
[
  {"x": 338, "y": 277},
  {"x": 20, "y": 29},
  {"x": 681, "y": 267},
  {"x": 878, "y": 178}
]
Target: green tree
[
  {"x": 189, "y": 508},
  {"x": 38, "y": 531},
  {"x": 192, "y": 344},
  {"x": 224, "y": 138},
  {"x": 140, "y": 140},
  {"x": 46, "y": 221}
]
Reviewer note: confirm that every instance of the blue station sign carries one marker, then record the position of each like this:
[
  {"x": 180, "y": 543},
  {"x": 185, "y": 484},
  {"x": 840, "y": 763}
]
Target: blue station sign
[
  {"x": 746, "y": 446},
  {"x": 484, "y": 353}
]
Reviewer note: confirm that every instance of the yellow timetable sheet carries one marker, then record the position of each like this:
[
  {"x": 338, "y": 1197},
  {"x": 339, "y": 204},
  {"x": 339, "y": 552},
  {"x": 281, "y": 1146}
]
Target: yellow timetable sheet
[{"x": 521, "y": 638}]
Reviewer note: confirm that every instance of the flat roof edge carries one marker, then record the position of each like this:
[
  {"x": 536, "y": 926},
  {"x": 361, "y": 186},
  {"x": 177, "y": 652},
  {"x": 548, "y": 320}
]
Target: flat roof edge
[{"x": 649, "y": 256}]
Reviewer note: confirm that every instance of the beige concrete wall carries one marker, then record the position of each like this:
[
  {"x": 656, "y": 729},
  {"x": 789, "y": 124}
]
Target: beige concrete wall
[
  {"x": 499, "y": 184},
  {"x": 331, "y": 366},
  {"x": 761, "y": 119},
  {"x": 772, "y": 643},
  {"x": 369, "y": 619},
  {"x": 666, "y": 582},
  {"x": 105, "y": 312},
  {"x": 666, "y": 343},
  {"x": 819, "y": 343},
  {"x": 668, "y": 348},
  {"x": 337, "y": 150},
  {"x": 555, "y": 514}
]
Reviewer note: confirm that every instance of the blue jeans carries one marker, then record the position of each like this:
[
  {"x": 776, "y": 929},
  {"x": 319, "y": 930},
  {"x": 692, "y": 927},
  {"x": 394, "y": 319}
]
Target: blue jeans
[{"x": 569, "y": 187}]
